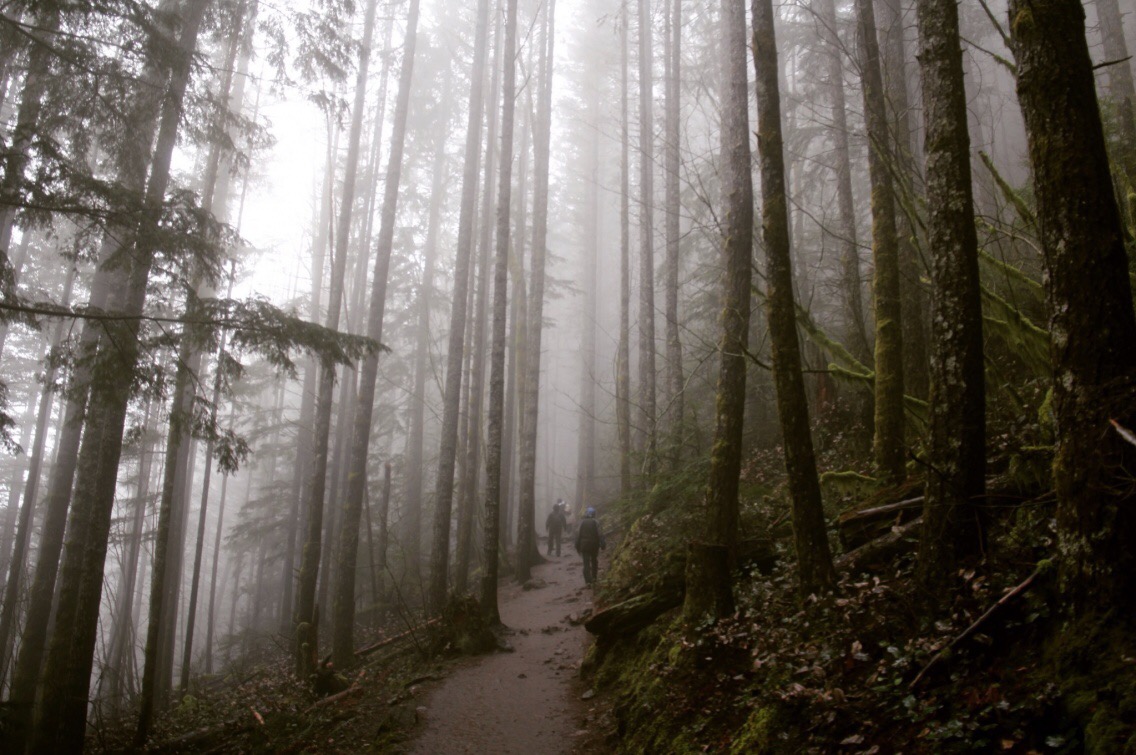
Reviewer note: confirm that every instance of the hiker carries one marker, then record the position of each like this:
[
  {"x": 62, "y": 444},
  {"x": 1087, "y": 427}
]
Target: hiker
[
  {"x": 555, "y": 525},
  {"x": 589, "y": 542}
]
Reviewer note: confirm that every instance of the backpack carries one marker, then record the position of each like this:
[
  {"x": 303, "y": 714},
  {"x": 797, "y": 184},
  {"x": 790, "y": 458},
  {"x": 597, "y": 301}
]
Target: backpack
[{"x": 589, "y": 537}]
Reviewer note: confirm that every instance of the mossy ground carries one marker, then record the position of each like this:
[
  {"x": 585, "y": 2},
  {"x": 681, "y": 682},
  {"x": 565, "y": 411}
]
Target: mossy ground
[{"x": 834, "y": 674}]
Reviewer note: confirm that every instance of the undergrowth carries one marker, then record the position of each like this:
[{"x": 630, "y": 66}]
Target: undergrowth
[{"x": 834, "y": 673}]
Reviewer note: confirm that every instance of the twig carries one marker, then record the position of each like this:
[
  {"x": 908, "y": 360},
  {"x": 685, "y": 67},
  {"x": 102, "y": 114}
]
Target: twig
[
  {"x": 351, "y": 691},
  {"x": 363, "y": 652},
  {"x": 975, "y": 626}
]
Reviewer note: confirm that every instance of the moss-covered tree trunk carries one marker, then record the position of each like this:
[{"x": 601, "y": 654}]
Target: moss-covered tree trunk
[
  {"x": 709, "y": 589},
  {"x": 1092, "y": 323},
  {"x": 888, "y": 439},
  {"x": 814, "y": 558},
  {"x": 956, "y": 468}
]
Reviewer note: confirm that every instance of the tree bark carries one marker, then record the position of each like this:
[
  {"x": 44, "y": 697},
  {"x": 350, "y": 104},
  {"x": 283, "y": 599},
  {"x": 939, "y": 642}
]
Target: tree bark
[
  {"x": 888, "y": 444},
  {"x": 1090, "y": 303},
  {"x": 956, "y": 476},
  {"x": 709, "y": 586},
  {"x": 814, "y": 558}
]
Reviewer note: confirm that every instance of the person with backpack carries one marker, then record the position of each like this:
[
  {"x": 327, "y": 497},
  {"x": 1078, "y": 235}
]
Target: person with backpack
[
  {"x": 555, "y": 525},
  {"x": 589, "y": 542}
]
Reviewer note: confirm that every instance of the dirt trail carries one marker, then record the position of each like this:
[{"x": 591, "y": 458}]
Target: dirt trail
[{"x": 526, "y": 701}]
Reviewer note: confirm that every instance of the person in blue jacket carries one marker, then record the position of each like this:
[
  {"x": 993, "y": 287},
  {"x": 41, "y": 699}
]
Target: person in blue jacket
[{"x": 589, "y": 542}]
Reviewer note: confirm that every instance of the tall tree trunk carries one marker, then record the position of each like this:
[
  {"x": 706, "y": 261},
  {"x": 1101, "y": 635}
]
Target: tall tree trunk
[
  {"x": 447, "y": 457},
  {"x": 30, "y": 494},
  {"x": 709, "y": 587},
  {"x": 673, "y": 227},
  {"x": 889, "y": 422},
  {"x": 1120, "y": 85},
  {"x": 412, "y": 534},
  {"x": 856, "y": 335},
  {"x": 18, "y": 152},
  {"x": 906, "y": 169},
  {"x": 26, "y": 674},
  {"x": 956, "y": 477},
  {"x": 343, "y": 606},
  {"x": 202, "y": 521},
  {"x": 1090, "y": 301},
  {"x": 61, "y": 709},
  {"x": 527, "y": 551},
  {"x": 211, "y": 617},
  {"x": 477, "y": 384},
  {"x": 306, "y": 617},
  {"x": 414, "y": 461},
  {"x": 814, "y": 559},
  {"x": 121, "y": 654},
  {"x": 500, "y": 304},
  {"x": 647, "y": 409},
  {"x": 585, "y": 447},
  {"x": 623, "y": 355}
]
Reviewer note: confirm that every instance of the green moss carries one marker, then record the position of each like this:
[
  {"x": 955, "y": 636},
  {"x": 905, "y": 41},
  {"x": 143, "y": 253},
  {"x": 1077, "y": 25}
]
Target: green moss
[
  {"x": 759, "y": 733},
  {"x": 1098, "y": 688}
]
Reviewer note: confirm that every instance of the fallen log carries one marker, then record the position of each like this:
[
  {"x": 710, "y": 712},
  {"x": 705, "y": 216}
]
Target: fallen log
[
  {"x": 629, "y": 617},
  {"x": 855, "y": 528},
  {"x": 970, "y": 630},
  {"x": 198, "y": 738},
  {"x": 354, "y": 689},
  {"x": 883, "y": 550}
]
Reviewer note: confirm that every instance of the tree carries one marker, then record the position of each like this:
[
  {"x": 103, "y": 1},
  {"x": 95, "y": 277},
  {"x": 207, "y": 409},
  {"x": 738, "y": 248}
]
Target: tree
[
  {"x": 527, "y": 551},
  {"x": 709, "y": 588},
  {"x": 956, "y": 475},
  {"x": 493, "y": 468},
  {"x": 623, "y": 353},
  {"x": 60, "y": 719},
  {"x": 647, "y": 408},
  {"x": 814, "y": 558},
  {"x": 344, "y": 601},
  {"x": 447, "y": 458},
  {"x": 855, "y": 334},
  {"x": 673, "y": 226},
  {"x": 1120, "y": 85},
  {"x": 888, "y": 441},
  {"x": 1090, "y": 302}
]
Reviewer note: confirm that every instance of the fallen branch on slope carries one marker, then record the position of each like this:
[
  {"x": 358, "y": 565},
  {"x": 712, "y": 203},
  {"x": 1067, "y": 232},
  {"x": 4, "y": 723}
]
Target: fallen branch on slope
[{"x": 969, "y": 631}]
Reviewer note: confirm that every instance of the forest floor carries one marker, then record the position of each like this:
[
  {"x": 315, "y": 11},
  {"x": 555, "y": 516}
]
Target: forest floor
[
  {"x": 527, "y": 696},
  {"x": 529, "y": 699}
]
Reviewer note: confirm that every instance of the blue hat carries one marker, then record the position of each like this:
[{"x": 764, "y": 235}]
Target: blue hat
[{"x": 590, "y": 512}]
